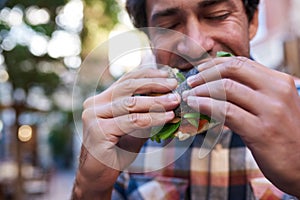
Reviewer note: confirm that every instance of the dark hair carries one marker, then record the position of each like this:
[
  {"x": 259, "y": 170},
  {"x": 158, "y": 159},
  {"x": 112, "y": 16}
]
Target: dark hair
[{"x": 137, "y": 11}]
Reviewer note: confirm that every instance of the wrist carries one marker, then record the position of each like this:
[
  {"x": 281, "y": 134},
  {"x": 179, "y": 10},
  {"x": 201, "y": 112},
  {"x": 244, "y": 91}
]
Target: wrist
[
  {"x": 93, "y": 179},
  {"x": 85, "y": 189}
]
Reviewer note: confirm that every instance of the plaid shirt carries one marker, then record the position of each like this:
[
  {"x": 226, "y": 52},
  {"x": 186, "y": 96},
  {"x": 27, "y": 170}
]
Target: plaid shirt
[{"x": 229, "y": 171}]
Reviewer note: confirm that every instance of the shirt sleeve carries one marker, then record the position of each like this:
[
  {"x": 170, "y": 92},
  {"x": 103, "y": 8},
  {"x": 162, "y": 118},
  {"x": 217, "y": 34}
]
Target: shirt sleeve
[
  {"x": 119, "y": 190},
  {"x": 263, "y": 189}
]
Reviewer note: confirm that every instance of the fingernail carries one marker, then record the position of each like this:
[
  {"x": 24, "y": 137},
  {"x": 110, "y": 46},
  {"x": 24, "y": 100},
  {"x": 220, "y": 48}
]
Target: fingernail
[
  {"x": 184, "y": 95},
  {"x": 191, "y": 100},
  {"x": 190, "y": 80},
  {"x": 173, "y": 97},
  {"x": 164, "y": 73},
  {"x": 172, "y": 81},
  {"x": 170, "y": 114},
  {"x": 201, "y": 66}
]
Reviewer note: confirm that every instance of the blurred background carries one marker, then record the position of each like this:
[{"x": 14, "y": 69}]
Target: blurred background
[{"x": 43, "y": 48}]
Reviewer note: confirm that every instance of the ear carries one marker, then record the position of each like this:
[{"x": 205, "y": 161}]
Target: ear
[{"x": 253, "y": 25}]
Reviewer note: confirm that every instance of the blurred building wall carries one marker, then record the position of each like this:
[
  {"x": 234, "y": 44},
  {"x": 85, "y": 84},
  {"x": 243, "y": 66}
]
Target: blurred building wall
[{"x": 276, "y": 44}]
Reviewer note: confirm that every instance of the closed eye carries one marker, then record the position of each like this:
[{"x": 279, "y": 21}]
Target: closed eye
[
  {"x": 217, "y": 17},
  {"x": 167, "y": 26},
  {"x": 173, "y": 26}
]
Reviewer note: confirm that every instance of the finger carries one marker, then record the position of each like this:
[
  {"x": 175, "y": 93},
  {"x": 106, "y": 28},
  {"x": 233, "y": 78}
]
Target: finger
[
  {"x": 131, "y": 87},
  {"x": 125, "y": 124},
  {"x": 240, "y": 69},
  {"x": 138, "y": 73},
  {"x": 225, "y": 112},
  {"x": 138, "y": 104},
  {"x": 144, "y": 73},
  {"x": 228, "y": 90},
  {"x": 144, "y": 86}
]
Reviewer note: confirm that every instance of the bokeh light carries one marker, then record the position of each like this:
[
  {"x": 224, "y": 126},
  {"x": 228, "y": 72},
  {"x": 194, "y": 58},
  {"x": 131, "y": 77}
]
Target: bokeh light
[
  {"x": 13, "y": 17},
  {"x": 1, "y": 128},
  {"x": 63, "y": 44},
  {"x": 70, "y": 17},
  {"x": 121, "y": 57},
  {"x": 38, "y": 45},
  {"x": 36, "y": 15},
  {"x": 4, "y": 76},
  {"x": 73, "y": 62},
  {"x": 25, "y": 133},
  {"x": 1, "y": 125}
]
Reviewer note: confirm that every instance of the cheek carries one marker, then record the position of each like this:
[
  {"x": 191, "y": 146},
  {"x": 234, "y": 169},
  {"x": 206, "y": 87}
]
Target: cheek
[
  {"x": 237, "y": 35},
  {"x": 164, "y": 45},
  {"x": 162, "y": 57},
  {"x": 237, "y": 40},
  {"x": 163, "y": 51}
]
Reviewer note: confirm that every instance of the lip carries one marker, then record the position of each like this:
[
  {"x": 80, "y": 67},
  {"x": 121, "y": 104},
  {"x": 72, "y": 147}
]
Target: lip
[{"x": 185, "y": 63}]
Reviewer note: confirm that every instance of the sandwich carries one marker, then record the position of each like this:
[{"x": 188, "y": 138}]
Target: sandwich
[{"x": 186, "y": 122}]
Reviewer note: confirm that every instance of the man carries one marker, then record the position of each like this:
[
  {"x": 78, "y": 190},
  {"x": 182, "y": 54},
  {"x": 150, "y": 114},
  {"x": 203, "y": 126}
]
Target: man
[{"x": 261, "y": 109}]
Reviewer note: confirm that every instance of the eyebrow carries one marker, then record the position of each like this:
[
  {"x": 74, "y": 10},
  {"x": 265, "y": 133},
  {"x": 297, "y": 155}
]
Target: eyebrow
[
  {"x": 175, "y": 10},
  {"x": 207, "y": 3},
  {"x": 165, "y": 13}
]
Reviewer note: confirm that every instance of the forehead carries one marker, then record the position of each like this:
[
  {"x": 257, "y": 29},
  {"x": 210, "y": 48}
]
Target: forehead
[{"x": 157, "y": 6}]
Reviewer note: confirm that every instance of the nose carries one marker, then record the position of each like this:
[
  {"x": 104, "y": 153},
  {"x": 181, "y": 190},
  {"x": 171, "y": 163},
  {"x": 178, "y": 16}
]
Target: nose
[{"x": 196, "y": 42}]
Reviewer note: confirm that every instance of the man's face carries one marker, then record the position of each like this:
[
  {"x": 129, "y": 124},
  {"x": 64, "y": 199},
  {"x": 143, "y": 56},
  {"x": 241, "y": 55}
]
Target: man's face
[{"x": 198, "y": 27}]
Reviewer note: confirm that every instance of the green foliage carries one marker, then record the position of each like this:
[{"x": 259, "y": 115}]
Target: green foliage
[
  {"x": 23, "y": 66},
  {"x": 24, "y": 74},
  {"x": 51, "y": 5},
  {"x": 110, "y": 10},
  {"x": 45, "y": 29},
  {"x": 3, "y": 26},
  {"x": 100, "y": 16},
  {"x": 60, "y": 140}
]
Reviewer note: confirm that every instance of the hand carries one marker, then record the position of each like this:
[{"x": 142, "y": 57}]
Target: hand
[
  {"x": 117, "y": 122},
  {"x": 261, "y": 105}
]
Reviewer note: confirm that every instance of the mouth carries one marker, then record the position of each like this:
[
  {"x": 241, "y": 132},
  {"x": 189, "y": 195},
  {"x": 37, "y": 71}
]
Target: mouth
[{"x": 185, "y": 64}]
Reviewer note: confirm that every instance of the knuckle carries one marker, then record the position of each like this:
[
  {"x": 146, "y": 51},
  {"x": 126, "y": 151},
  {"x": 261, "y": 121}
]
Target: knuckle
[
  {"x": 157, "y": 101},
  {"x": 229, "y": 113},
  {"x": 87, "y": 103},
  {"x": 140, "y": 120},
  {"x": 130, "y": 103},
  {"x": 236, "y": 63},
  {"x": 87, "y": 115},
  {"x": 228, "y": 85},
  {"x": 133, "y": 118},
  {"x": 84, "y": 115},
  {"x": 127, "y": 84},
  {"x": 277, "y": 109},
  {"x": 288, "y": 86}
]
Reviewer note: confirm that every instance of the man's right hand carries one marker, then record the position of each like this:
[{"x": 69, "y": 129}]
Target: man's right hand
[{"x": 116, "y": 123}]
